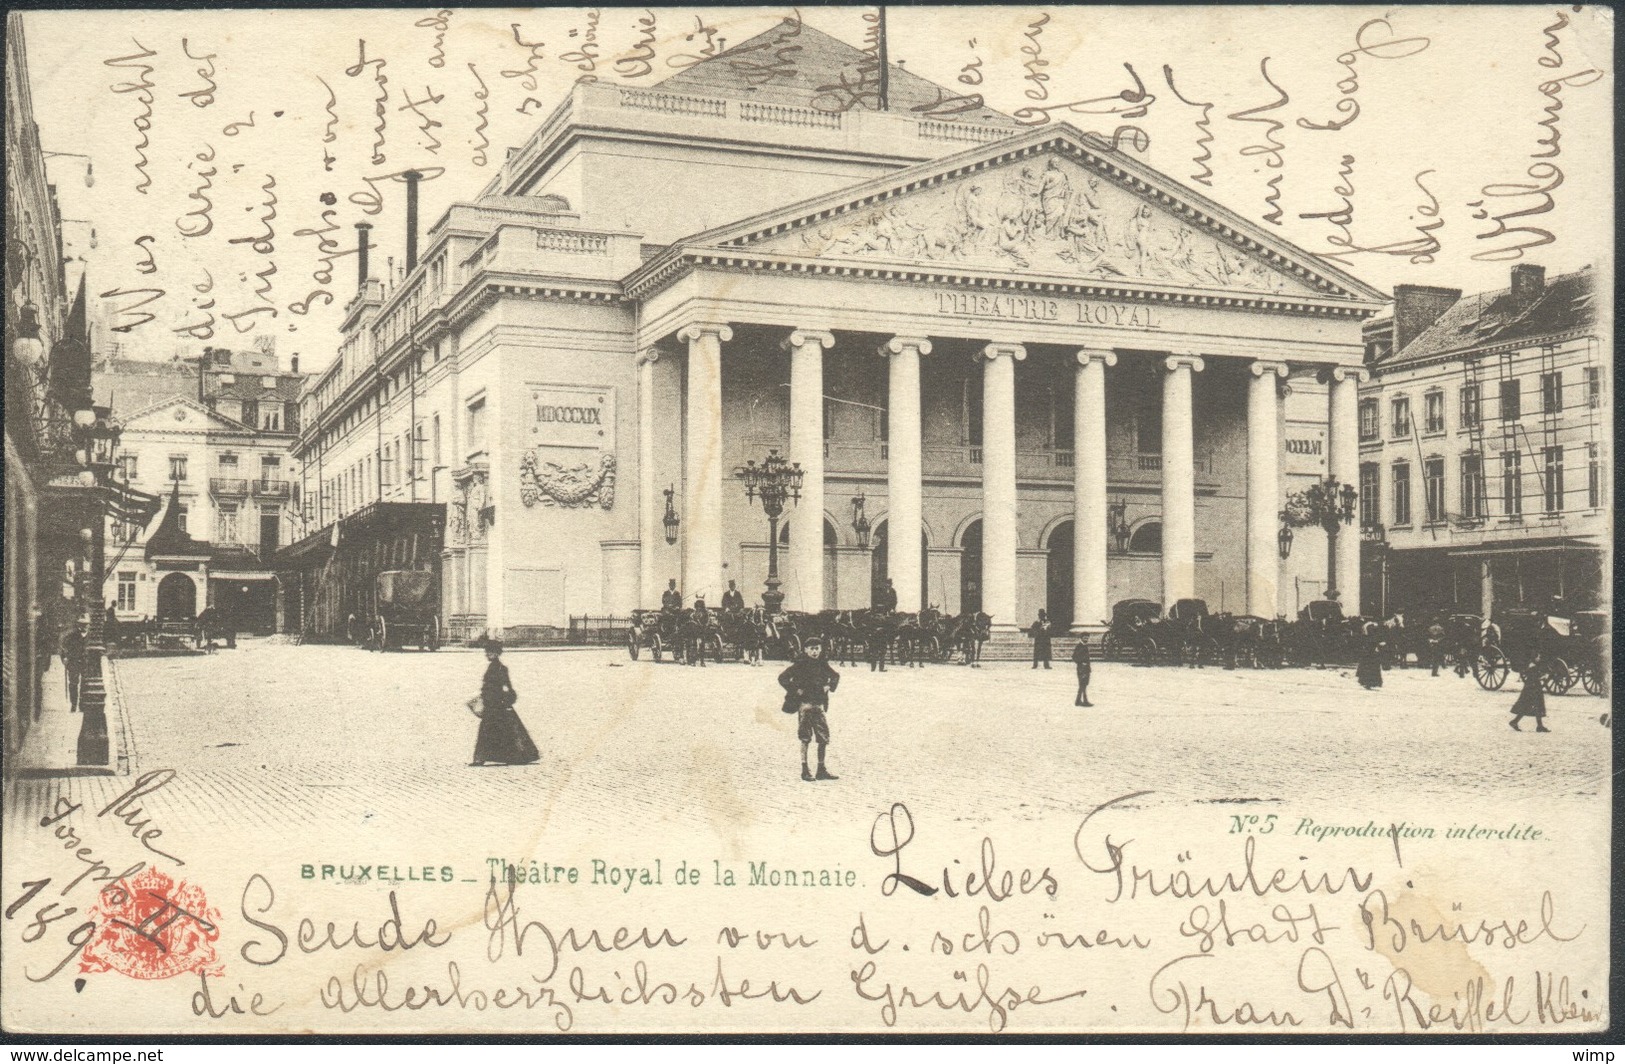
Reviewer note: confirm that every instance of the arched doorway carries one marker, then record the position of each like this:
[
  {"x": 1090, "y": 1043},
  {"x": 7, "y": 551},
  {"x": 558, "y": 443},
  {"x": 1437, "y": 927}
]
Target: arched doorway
[
  {"x": 1058, "y": 577},
  {"x": 1147, "y": 539},
  {"x": 831, "y": 586},
  {"x": 970, "y": 568},
  {"x": 878, "y": 571},
  {"x": 177, "y": 598}
]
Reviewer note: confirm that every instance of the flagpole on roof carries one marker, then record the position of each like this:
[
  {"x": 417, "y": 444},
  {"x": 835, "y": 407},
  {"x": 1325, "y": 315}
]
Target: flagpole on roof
[{"x": 885, "y": 72}]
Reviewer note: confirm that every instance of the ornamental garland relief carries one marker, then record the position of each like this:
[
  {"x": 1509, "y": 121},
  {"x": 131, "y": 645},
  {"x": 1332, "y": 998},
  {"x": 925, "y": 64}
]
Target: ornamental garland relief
[
  {"x": 581, "y": 485},
  {"x": 1050, "y": 215}
]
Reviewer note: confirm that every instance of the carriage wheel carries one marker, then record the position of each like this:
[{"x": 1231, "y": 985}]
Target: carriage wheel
[
  {"x": 1146, "y": 652},
  {"x": 1595, "y": 681},
  {"x": 433, "y": 637},
  {"x": 655, "y": 646},
  {"x": 1490, "y": 669},
  {"x": 1558, "y": 677},
  {"x": 380, "y": 634},
  {"x": 632, "y": 645},
  {"x": 1111, "y": 648}
]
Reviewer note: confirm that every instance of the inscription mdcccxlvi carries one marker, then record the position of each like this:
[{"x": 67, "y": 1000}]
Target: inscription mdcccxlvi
[{"x": 1039, "y": 308}]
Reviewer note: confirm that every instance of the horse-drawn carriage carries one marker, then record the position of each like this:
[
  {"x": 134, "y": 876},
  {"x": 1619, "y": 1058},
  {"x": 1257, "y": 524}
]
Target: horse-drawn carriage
[
  {"x": 1568, "y": 650},
  {"x": 405, "y": 611},
  {"x": 1135, "y": 633}
]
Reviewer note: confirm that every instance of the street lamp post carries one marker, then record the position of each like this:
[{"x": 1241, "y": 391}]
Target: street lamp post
[
  {"x": 775, "y": 481},
  {"x": 96, "y": 437},
  {"x": 1328, "y": 503}
]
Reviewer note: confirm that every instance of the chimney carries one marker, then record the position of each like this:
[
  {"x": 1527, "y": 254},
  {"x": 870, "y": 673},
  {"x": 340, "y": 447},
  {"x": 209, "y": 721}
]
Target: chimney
[
  {"x": 361, "y": 230},
  {"x": 1528, "y": 284},
  {"x": 412, "y": 178},
  {"x": 294, "y": 363},
  {"x": 1416, "y": 306}
]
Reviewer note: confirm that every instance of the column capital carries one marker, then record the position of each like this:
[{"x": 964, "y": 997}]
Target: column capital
[
  {"x": 997, "y": 349},
  {"x": 1104, "y": 355},
  {"x": 648, "y": 355},
  {"x": 1184, "y": 360},
  {"x": 800, "y": 337},
  {"x": 697, "y": 329},
  {"x": 898, "y": 344},
  {"x": 1261, "y": 367},
  {"x": 1357, "y": 374}
]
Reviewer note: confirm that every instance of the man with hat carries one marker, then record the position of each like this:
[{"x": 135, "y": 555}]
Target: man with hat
[{"x": 807, "y": 684}]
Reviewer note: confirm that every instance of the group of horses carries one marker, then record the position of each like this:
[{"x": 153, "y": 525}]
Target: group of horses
[{"x": 696, "y": 635}]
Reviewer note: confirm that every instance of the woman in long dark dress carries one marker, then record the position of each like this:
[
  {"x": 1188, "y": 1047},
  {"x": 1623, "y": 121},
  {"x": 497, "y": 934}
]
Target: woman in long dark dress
[
  {"x": 1369, "y": 670},
  {"x": 1532, "y": 699},
  {"x": 502, "y": 739}
]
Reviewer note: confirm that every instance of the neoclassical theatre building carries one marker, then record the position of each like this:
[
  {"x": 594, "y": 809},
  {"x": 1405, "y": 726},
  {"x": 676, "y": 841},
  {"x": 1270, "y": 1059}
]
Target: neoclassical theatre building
[{"x": 1020, "y": 370}]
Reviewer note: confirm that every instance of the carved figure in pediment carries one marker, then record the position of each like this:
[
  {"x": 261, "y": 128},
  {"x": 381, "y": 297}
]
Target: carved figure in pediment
[{"x": 1054, "y": 199}]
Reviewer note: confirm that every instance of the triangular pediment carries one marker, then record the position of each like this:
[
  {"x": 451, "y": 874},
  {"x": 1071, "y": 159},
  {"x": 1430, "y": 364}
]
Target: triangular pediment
[
  {"x": 180, "y": 414},
  {"x": 1053, "y": 204}
]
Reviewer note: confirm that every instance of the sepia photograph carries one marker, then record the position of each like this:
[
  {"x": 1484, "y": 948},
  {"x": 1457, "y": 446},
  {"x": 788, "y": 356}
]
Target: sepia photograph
[{"x": 828, "y": 521}]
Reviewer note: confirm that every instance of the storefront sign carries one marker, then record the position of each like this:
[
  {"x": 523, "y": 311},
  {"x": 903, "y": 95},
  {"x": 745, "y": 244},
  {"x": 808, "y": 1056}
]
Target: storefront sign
[
  {"x": 1006, "y": 307},
  {"x": 562, "y": 416}
]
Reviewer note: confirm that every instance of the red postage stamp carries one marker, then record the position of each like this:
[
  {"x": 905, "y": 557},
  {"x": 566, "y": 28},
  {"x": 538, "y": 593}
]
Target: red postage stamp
[{"x": 153, "y": 927}]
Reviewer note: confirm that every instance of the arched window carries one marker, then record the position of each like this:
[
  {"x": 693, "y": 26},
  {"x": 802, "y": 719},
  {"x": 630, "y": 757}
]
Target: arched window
[
  {"x": 830, "y": 541},
  {"x": 1147, "y": 539}
]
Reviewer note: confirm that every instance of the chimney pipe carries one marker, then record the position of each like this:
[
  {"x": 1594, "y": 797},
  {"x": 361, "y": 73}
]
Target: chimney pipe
[
  {"x": 412, "y": 178},
  {"x": 361, "y": 229},
  {"x": 294, "y": 363}
]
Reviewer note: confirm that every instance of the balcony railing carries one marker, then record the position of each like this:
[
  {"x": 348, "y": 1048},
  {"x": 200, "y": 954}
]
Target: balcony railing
[
  {"x": 272, "y": 489},
  {"x": 228, "y": 486}
]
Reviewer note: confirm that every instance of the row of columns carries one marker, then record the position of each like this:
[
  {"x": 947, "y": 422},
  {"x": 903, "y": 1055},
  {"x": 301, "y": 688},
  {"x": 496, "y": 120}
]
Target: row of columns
[{"x": 703, "y": 484}]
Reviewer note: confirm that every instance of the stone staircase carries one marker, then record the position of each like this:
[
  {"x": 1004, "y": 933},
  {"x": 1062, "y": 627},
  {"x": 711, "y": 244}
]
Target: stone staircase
[{"x": 1018, "y": 646}]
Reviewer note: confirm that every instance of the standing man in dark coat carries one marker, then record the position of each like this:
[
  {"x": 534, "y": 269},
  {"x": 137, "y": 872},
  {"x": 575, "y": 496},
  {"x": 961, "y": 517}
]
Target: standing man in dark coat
[
  {"x": 807, "y": 684},
  {"x": 1435, "y": 634},
  {"x": 671, "y": 599},
  {"x": 71, "y": 648},
  {"x": 1081, "y": 658},
  {"x": 1040, "y": 630},
  {"x": 888, "y": 597}
]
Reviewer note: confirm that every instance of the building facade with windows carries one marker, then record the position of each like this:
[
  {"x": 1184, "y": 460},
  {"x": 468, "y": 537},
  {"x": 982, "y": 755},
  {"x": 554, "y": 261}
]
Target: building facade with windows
[
  {"x": 1018, "y": 368},
  {"x": 213, "y": 436},
  {"x": 1485, "y": 447}
]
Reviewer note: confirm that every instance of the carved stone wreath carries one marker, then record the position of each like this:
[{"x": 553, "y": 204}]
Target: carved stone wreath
[{"x": 551, "y": 484}]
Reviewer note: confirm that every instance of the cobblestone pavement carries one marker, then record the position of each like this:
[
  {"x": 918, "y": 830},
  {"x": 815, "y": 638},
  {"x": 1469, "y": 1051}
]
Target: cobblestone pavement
[{"x": 282, "y": 739}]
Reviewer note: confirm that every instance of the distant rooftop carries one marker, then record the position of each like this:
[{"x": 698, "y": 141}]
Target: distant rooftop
[{"x": 1490, "y": 318}]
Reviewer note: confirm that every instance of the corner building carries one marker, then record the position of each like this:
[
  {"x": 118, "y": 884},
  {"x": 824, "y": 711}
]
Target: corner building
[{"x": 1055, "y": 377}]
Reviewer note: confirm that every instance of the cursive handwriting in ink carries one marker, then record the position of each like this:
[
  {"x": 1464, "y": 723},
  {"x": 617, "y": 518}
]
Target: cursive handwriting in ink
[
  {"x": 980, "y": 995},
  {"x": 1547, "y": 179},
  {"x": 379, "y": 110},
  {"x": 425, "y": 122},
  {"x": 205, "y": 96},
  {"x": 1271, "y": 150},
  {"x": 507, "y": 931},
  {"x": 440, "y": 22},
  {"x": 1204, "y": 131},
  {"x": 893, "y": 830},
  {"x": 1375, "y": 39},
  {"x": 133, "y": 309},
  {"x": 1130, "y": 103},
  {"x": 329, "y": 131},
  {"x": 757, "y": 68},
  {"x": 1342, "y": 216},
  {"x": 482, "y": 94},
  {"x": 639, "y": 62},
  {"x": 1035, "y": 63},
  {"x": 1420, "y": 249},
  {"x": 710, "y": 48},
  {"x": 585, "y": 55},
  {"x": 204, "y": 214},
  {"x": 263, "y": 243},
  {"x": 203, "y": 330},
  {"x": 148, "y": 264},
  {"x": 527, "y": 76},
  {"x": 142, "y": 88},
  {"x": 1181, "y": 992}
]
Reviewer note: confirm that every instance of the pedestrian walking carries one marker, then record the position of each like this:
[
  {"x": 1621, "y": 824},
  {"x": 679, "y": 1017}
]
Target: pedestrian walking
[
  {"x": 807, "y": 684},
  {"x": 110, "y": 629},
  {"x": 71, "y": 649},
  {"x": 1040, "y": 631},
  {"x": 502, "y": 738},
  {"x": 1369, "y": 670},
  {"x": 1435, "y": 636},
  {"x": 1081, "y": 659},
  {"x": 1532, "y": 699}
]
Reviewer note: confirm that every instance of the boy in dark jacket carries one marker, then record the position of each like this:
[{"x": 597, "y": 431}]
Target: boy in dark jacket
[{"x": 807, "y": 684}]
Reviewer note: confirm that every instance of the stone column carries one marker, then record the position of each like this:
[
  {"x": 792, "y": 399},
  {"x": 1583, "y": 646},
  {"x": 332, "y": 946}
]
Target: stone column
[
  {"x": 999, "y": 482},
  {"x": 702, "y": 496},
  {"x": 904, "y": 521},
  {"x": 1264, "y": 487},
  {"x": 1344, "y": 464},
  {"x": 1090, "y": 534},
  {"x": 1178, "y": 480},
  {"x": 650, "y": 512},
  {"x": 805, "y": 590},
  {"x": 1486, "y": 589}
]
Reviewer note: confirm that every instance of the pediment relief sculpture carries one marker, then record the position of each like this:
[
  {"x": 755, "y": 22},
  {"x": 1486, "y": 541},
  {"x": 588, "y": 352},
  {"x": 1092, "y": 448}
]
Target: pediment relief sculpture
[{"x": 1047, "y": 215}]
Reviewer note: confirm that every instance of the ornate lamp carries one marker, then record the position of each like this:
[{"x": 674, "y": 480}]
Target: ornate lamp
[
  {"x": 775, "y": 481},
  {"x": 1283, "y": 539},
  {"x": 1328, "y": 503},
  {"x": 670, "y": 520},
  {"x": 860, "y": 520},
  {"x": 30, "y": 349},
  {"x": 1117, "y": 524}
]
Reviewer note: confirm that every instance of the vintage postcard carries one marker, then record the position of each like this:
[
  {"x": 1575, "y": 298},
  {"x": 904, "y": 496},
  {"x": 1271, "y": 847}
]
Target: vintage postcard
[{"x": 970, "y": 520}]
